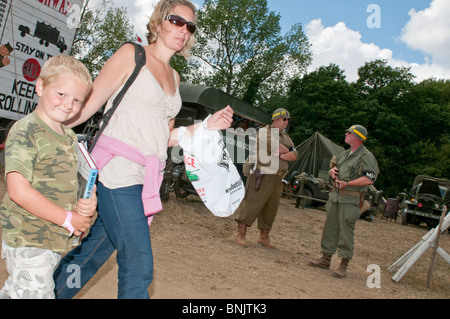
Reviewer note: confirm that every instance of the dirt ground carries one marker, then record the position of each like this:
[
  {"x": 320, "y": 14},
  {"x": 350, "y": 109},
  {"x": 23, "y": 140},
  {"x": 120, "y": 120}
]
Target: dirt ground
[{"x": 196, "y": 257}]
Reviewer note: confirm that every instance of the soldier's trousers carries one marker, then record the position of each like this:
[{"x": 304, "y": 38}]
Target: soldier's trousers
[
  {"x": 339, "y": 227},
  {"x": 260, "y": 204}
]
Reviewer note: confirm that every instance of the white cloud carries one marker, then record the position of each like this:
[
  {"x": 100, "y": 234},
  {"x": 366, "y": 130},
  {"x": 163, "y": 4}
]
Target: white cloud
[
  {"x": 342, "y": 46},
  {"x": 429, "y": 32},
  {"x": 139, "y": 12}
]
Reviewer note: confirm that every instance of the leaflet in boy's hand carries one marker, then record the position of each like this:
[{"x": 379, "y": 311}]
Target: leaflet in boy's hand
[{"x": 87, "y": 171}]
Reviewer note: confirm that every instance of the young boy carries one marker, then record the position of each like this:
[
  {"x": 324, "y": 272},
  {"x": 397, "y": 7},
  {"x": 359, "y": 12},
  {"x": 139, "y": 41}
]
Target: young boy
[{"x": 41, "y": 210}]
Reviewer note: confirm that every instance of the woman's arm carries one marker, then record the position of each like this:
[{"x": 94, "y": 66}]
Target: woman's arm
[
  {"x": 113, "y": 74},
  {"x": 218, "y": 121}
]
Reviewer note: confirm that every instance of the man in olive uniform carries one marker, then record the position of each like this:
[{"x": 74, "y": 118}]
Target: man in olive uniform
[
  {"x": 355, "y": 169},
  {"x": 263, "y": 188}
]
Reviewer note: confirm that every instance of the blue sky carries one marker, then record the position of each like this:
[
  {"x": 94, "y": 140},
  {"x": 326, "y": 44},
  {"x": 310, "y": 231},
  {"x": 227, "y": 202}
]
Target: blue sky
[
  {"x": 354, "y": 13},
  {"x": 411, "y": 33}
]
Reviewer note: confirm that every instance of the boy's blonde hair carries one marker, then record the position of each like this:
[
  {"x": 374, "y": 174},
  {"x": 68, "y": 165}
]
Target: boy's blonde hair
[
  {"x": 61, "y": 64},
  {"x": 160, "y": 13}
]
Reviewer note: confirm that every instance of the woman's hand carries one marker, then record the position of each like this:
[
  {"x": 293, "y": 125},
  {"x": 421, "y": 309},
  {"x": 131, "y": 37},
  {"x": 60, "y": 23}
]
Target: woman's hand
[{"x": 221, "y": 119}]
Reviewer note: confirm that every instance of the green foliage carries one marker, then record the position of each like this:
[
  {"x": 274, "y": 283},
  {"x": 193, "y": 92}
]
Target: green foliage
[
  {"x": 320, "y": 101},
  {"x": 240, "y": 50},
  {"x": 102, "y": 31},
  {"x": 408, "y": 122}
]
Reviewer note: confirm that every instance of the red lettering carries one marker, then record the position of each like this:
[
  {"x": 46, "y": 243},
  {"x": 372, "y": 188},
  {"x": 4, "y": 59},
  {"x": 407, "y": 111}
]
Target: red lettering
[
  {"x": 62, "y": 6},
  {"x": 189, "y": 161},
  {"x": 55, "y": 3}
]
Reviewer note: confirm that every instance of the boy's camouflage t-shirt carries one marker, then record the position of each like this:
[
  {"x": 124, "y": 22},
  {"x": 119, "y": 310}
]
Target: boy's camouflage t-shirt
[{"x": 48, "y": 161}]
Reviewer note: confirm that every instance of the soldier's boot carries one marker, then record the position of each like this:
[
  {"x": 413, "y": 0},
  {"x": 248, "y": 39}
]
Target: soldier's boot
[
  {"x": 242, "y": 229},
  {"x": 264, "y": 239},
  {"x": 341, "y": 272},
  {"x": 323, "y": 262}
]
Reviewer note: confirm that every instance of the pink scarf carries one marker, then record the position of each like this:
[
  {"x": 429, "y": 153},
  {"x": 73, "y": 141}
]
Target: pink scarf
[{"x": 109, "y": 147}]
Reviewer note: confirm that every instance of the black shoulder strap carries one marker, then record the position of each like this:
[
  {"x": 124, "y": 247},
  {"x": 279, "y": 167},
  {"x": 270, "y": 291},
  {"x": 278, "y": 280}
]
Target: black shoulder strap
[{"x": 139, "y": 57}]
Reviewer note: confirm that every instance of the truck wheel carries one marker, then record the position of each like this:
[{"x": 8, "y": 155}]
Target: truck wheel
[
  {"x": 306, "y": 192},
  {"x": 164, "y": 190},
  {"x": 404, "y": 218},
  {"x": 297, "y": 202},
  {"x": 431, "y": 223},
  {"x": 179, "y": 186}
]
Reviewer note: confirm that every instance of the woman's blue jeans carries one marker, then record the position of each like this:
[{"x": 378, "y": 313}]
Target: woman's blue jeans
[{"x": 121, "y": 225}]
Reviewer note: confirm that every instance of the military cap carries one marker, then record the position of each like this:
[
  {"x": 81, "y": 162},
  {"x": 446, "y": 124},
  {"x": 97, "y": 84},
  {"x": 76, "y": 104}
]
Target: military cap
[
  {"x": 359, "y": 131},
  {"x": 280, "y": 113}
]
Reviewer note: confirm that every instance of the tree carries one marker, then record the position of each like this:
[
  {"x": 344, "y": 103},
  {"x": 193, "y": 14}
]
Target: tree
[
  {"x": 102, "y": 31},
  {"x": 429, "y": 119},
  {"x": 240, "y": 50},
  {"x": 321, "y": 101},
  {"x": 407, "y": 122},
  {"x": 378, "y": 74}
]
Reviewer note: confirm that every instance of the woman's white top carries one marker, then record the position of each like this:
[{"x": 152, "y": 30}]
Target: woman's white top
[{"x": 141, "y": 120}]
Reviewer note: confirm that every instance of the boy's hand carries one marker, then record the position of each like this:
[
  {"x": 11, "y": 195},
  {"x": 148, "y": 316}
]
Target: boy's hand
[
  {"x": 87, "y": 207},
  {"x": 83, "y": 211},
  {"x": 80, "y": 223}
]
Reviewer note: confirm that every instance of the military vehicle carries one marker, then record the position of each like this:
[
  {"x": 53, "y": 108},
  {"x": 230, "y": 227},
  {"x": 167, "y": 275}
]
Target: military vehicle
[
  {"x": 308, "y": 175},
  {"x": 425, "y": 201}
]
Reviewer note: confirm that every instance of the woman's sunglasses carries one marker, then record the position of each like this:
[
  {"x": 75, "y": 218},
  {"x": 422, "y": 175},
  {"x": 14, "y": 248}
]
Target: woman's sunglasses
[{"x": 180, "y": 22}]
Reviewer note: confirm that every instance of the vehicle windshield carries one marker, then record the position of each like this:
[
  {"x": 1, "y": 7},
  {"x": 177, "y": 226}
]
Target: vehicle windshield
[{"x": 414, "y": 191}]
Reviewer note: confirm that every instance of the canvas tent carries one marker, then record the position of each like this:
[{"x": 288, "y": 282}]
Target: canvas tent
[{"x": 314, "y": 156}]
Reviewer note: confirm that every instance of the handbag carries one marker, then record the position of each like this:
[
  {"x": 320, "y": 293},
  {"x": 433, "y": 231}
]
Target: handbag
[{"x": 91, "y": 135}]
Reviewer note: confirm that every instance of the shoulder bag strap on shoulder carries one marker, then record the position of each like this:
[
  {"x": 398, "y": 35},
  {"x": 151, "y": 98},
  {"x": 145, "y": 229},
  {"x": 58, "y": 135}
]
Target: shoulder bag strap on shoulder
[{"x": 139, "y": 57}]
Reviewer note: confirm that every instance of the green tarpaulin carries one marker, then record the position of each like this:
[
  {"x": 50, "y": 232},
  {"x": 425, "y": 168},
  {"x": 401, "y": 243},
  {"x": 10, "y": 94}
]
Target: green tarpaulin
[{"x": 314, "y": 156}]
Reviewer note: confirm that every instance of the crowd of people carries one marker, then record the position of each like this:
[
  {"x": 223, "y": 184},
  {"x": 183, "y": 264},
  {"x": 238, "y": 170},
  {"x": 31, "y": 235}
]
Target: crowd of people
[{"x": 41, "y": 214}]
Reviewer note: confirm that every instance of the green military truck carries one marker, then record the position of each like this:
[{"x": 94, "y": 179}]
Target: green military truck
[{"x": 425, "y": 201}]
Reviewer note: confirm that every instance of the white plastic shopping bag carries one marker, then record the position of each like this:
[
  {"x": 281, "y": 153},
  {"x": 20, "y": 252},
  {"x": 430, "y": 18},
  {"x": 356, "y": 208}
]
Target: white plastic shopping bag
[{"x": 211, "y": 171}]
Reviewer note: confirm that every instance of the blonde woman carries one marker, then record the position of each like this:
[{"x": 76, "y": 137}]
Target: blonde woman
[{"x": 144, "y": 121}]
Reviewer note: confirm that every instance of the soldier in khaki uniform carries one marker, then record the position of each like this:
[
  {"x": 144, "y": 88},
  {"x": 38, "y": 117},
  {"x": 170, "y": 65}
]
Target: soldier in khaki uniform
[
  {"x": 355, "y": 169},
  {"x": 263, "y": 189}
]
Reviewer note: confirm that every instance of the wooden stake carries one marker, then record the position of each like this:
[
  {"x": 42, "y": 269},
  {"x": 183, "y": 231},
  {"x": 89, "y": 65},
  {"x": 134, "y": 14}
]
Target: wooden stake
[
  {"x": 403, "y": 264},
  {"x": 436, "y": 245}
]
